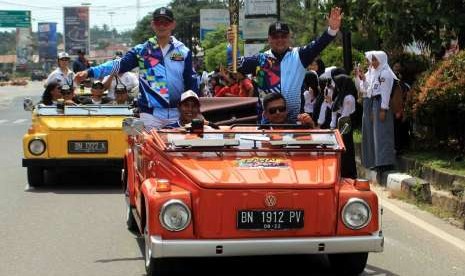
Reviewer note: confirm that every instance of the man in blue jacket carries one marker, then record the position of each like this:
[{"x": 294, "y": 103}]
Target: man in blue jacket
[
  {"x": 165, "y": 71},
  {"x": 282, "y": 68}
]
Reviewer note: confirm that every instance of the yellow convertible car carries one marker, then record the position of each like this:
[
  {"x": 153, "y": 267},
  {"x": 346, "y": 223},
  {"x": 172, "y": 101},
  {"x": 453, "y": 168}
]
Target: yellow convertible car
[{"x": 73, "y": 136}]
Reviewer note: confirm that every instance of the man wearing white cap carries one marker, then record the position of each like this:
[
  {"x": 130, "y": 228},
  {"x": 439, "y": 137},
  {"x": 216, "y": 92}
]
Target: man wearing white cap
[
  {"x": 62, "y": 75},
  {"x": 189, "y": 109}
]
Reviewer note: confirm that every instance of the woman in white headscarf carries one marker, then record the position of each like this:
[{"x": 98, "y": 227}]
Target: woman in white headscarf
[
  {"x": 380, "y": 87},
  {"x": 362, "y": 81}
]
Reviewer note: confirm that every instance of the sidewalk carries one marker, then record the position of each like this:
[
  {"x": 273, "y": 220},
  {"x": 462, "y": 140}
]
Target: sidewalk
[{"x": 439, "y": 189}]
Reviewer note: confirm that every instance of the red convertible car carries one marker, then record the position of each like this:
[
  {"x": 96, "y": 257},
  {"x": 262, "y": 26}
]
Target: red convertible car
[{"x": 246, "y": 191}]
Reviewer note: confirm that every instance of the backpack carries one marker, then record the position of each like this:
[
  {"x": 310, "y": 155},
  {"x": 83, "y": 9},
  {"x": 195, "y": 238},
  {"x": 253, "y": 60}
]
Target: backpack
[{"x": 396, "y": 103}]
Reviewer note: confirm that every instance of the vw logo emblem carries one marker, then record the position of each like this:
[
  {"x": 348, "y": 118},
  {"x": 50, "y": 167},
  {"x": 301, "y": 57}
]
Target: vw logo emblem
[{"x": 270, "y": 200}]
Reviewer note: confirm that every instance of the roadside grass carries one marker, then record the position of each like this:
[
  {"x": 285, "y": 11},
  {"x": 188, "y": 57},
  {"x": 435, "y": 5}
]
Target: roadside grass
[
  {"x": 451, "y": 217},
  {"x": 439, "y": 160},
  {"x": 357, "y": 136}
]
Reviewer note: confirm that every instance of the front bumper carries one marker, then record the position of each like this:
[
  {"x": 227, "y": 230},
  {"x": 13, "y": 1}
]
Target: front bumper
[
  {"x": 256, "y": 247},
  {"x": 74, "y": 162}
]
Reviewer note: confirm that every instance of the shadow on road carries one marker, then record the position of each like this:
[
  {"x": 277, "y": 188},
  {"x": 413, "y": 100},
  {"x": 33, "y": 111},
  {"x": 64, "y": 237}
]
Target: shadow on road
[
  {"x": 289, "y": 265},
  {"x": 83, "y": 181}
]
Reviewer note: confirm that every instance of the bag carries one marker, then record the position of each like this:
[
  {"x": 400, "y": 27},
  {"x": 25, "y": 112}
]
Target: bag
[{"x": 396, "y": 103}]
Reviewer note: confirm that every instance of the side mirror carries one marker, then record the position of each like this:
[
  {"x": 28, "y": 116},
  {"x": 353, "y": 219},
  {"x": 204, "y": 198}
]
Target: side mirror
[
  {"x": 28, "y": 104},
  {"x": 132, "y": 126},
  {"x": 127, "y": 125},
  {"x": 344, "y": 125},
  {"x": 138, "y": 126}
]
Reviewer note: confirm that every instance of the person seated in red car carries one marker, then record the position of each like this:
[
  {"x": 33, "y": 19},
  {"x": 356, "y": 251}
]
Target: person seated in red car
[
  {"x": 189, "y": 109},
  {"x": 97, "y": 96},
  {"x": 275, "y": 111}
]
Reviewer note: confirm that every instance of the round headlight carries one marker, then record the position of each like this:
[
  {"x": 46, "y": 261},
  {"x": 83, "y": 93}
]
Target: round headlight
[
  {"x": 175, "y": 215},
  {"x": 356, "y": 214},
  {"x": 37, "y": 146}
]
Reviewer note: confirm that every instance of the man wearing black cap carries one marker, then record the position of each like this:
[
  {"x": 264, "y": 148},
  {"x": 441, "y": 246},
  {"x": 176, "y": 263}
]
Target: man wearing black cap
[
  {"x": 81, "y": 63},
  {"x": 165, "y": 71},
  {"x": 282, "y": 68}
]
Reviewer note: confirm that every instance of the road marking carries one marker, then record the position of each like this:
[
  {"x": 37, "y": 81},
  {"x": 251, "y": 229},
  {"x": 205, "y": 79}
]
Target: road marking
[
  {"x": 460, "y": 244},
  {"x": 3, "y": 121},
  {"x": 19, "y": 121}
]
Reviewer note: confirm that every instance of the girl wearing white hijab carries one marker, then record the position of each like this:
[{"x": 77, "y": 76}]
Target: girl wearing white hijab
[
  {"x": 362, "y": 81},
  {"x": 379, "y": 87}
]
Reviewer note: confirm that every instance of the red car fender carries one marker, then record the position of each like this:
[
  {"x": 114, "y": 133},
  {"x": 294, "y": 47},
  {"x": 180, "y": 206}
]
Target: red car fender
[
  {"x": 348, "y": 191},
  {"x": 130, "y": 175},
  {"x": 153, "y": 202}
]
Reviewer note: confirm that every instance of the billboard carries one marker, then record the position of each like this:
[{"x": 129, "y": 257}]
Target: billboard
[
  {"x": 210, "y": 19},
  {"x": 76, "y": 29},
  {"x": 261, "y": 7},
  {"x": 257, "y": 28},
  {"x": 23, "y": 47},
  {"x": 47, "y": 32}
]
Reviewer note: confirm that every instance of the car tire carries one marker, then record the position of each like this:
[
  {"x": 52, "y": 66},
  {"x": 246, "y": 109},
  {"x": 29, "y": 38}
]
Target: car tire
[
  {"x": 153, "y": 266},
  {"x": 35, "y": 176},
  {"x": 348, "y": 264},
  {"x": 131, "y": 220}
]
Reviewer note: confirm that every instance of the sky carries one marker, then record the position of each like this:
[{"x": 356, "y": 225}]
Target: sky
[{"x": 124, "y": 17}]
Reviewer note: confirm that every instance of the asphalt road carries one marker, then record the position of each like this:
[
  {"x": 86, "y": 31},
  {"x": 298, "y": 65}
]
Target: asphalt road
[{"x": 76, "y": 226}]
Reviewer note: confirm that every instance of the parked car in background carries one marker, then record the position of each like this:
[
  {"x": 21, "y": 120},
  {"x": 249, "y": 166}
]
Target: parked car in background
[
  {"x": 4, "y": 76},
  {"x": 73, "y": 137},
  {"x": 38, "y": 75}
]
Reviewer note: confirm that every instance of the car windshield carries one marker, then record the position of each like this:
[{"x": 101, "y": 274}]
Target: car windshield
[
  {"x": 98, "y": 110},
  {"x": 250, "y": 140}
]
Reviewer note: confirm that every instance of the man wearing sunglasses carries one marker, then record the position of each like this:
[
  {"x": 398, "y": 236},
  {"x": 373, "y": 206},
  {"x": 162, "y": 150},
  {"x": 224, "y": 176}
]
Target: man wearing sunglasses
[
  {"x": 275, "y": 111},
  {"x": 282, "y": 68},
  {"x": 165, "y": 71}
]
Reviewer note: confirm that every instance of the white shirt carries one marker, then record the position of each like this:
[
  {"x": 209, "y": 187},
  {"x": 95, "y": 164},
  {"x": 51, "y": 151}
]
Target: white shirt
[
  {"x": 129, "y": 79},
  {"x": 381, "y": 84},
  {"x": 347, "y": 108},
  {"x": 309, "y": 101},
  {"x": 60, "y": 77}
]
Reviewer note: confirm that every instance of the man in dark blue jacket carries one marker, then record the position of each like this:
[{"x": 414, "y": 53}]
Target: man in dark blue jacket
[{"x": 165, "y": 71}]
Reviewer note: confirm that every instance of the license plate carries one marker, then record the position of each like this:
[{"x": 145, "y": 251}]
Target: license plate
[
  {"x": 87, "y": 146},
  {"x": 270, "y": 219}
]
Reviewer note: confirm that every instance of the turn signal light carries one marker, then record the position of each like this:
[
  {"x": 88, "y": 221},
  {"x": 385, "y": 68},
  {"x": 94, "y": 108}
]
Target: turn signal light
[
  {"x": 163, "y": 185},
  {"x": 362, "y": 184}
]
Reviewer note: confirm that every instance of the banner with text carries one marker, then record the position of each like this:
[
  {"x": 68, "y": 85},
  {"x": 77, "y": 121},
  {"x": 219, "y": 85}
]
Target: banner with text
[
  {"x": 76, "y": 29},
  {"x": 210, "y": 19},
  {"x": 47, "y": 32},
  {"x": 23, "y": 47}
]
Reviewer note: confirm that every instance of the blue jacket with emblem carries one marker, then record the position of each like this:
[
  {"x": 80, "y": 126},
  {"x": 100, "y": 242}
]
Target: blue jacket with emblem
[
  {"x": 162, "y": 79},
  {"x": 284, "y": 76}
]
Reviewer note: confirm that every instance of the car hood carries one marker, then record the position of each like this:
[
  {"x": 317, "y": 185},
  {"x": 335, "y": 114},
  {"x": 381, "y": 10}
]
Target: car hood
[
  {"x": 279, "y": 171},
  {"x": 81, "y": 122}
]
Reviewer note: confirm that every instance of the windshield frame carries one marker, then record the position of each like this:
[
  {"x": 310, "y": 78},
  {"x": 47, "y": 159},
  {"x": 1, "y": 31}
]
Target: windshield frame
[
  {"x": 248, "y": 144},
  {"x": 85, "y": 110}
]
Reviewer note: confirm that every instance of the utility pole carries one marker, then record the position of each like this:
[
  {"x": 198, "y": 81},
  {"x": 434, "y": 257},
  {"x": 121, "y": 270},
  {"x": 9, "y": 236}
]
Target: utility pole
[
  {"x": 111, "y": 13},
  {"x": 138, "y": 9},
  {"x": 347, "y": 41}
]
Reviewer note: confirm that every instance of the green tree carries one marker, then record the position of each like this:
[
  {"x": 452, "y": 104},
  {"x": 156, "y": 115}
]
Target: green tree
[
  {"x": 390, "y": 24},
  {"x": 214, "y": 46},
  {"x": 143, "y": 30}
]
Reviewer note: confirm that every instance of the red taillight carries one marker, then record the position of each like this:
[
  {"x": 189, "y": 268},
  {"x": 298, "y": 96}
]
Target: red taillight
[{"x": 362, "y": 184}]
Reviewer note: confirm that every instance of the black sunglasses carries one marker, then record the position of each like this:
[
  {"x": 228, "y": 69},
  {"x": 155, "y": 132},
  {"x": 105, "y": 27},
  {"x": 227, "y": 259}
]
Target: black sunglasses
[{"x": 274, "y": 110}]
